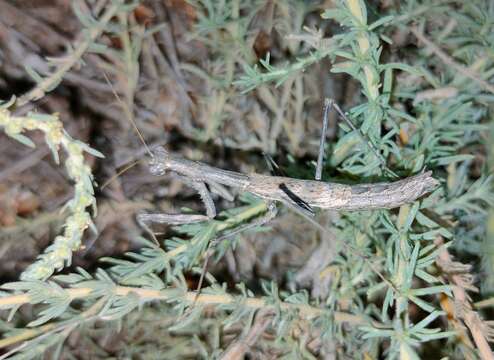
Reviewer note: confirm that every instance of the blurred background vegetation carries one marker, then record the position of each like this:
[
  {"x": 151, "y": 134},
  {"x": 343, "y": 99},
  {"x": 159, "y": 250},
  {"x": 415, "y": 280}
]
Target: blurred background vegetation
[{"x": 222, "y": 82}]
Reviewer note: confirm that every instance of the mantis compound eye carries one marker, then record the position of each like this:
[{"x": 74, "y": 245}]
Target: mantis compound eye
[{"x": 157, "y": 167}]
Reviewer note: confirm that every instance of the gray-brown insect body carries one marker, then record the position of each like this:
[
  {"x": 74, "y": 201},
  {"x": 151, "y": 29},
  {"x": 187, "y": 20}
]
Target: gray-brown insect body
[{"x": 324, "y": 195}]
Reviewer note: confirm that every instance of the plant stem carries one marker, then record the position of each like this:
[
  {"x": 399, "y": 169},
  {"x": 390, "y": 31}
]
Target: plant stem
[{"x": 146, "y": 295}]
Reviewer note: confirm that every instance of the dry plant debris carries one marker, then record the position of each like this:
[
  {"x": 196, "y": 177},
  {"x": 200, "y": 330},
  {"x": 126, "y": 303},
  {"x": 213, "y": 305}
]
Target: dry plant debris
[{"x": 221, "y": 83}]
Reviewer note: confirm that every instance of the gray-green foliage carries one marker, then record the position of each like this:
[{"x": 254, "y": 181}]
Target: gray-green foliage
[
  {"x": 398, "y": 313},
  {"x": 439, "y": 135}
]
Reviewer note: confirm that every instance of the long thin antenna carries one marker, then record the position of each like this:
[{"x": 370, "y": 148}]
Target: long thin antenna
[
  {"x": 129, "y": 115},
  {"x": 131, "y": 165}
]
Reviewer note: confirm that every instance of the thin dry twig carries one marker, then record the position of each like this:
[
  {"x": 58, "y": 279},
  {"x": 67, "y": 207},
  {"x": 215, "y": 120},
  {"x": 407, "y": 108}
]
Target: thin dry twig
[
  {"x": 463, "y": 308},
  {"x": 38, "y": 31},
  {"x": 238, "y": 349},
  {"x": 24, "y": 163},
  {"x": 436, "y": 94},
  {"x": 42, "y": 87},
  {"x": 450, "y": 62}
]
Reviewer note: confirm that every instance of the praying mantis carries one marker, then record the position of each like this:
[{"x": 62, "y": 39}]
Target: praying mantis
[{"x": 300, "y": 195}]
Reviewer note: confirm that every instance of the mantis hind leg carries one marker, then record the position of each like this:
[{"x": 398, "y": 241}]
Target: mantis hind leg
[
  {"x": 145, "y": 219},
  {"x": 259, "y": 221},
  {"x": 267, "y": 217},
  {"x": 328, "y": 103}
]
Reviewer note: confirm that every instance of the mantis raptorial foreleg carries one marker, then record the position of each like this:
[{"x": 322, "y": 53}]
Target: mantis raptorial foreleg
[
  {"x": 180, "y": 219},
  {"x": 170, "y": 219}
]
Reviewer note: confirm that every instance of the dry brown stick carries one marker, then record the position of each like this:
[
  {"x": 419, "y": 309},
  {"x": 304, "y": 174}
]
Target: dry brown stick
[
  {"x": 450, "y": 62},
  {"x": 25, "y": 163},
  {"x": 31, "y": 27},
  {"x": 85, "y": 42},
  {"x": 465, "y": 312}
]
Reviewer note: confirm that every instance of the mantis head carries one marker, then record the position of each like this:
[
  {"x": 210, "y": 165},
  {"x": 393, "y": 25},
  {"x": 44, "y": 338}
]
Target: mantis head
[{"x": 157, "y": 164}]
